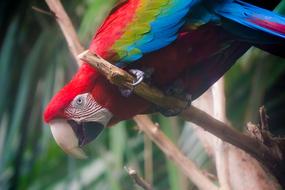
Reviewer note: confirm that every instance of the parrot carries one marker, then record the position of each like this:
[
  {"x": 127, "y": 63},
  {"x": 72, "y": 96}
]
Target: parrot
[{"x": 179, "y": 46}]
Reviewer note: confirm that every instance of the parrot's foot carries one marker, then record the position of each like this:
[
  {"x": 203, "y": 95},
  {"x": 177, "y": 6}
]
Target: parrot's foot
[
  {"x": 177, "y": 90},
  {"x": 175, "y": 111},
  {"x": 139, "y": 77},
  {"x": 126, "y": 92}
]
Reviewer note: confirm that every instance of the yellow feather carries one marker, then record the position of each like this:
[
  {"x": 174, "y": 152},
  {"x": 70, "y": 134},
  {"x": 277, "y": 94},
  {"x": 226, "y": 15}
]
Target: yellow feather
[{"x": 147, "y": 11}]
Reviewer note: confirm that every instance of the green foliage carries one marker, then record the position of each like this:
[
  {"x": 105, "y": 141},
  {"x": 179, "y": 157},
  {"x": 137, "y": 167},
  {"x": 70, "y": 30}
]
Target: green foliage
[{"x": 35, "y": 63}]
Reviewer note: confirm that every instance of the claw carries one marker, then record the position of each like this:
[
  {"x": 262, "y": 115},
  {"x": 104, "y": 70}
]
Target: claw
[{"x": 139, "y": 76}]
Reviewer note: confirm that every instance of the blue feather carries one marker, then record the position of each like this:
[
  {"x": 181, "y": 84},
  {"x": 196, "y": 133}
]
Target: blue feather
[
  {"x": 244, "y": 14},
  {"x": 164, "y": 29}
]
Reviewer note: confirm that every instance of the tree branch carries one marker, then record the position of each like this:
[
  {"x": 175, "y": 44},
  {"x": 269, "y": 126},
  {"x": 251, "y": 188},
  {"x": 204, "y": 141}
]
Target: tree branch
[
  {"x": 122, "y": 78},
  {"x": 262, "y": 152},
  {"x": 137, "y": 179}
]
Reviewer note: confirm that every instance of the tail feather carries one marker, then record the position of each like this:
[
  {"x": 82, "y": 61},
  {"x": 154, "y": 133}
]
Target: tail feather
[
  {"x": 273, "y": 26},
  {"x": 258, "y": 24}
]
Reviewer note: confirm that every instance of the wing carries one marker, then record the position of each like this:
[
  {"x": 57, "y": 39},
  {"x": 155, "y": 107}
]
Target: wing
[{"x": 137, "y": 27}]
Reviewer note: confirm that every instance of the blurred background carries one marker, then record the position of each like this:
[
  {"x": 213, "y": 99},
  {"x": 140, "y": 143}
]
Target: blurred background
[{"x": 35, "y": 62}]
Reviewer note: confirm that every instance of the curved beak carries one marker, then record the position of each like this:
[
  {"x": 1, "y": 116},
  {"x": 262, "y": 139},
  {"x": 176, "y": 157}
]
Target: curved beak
[{"x": 71, "y": 136}]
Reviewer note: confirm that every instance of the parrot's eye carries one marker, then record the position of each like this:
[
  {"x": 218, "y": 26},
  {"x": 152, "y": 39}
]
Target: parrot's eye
[{"x": 79, "y": 101}]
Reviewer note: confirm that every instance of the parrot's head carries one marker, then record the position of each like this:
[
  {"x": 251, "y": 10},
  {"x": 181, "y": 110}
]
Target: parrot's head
[{"x": 85, "y": 106}]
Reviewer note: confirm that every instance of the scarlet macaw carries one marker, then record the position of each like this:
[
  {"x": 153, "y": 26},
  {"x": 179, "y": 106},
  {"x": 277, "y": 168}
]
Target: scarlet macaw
[{"x": 188, "y": 45}]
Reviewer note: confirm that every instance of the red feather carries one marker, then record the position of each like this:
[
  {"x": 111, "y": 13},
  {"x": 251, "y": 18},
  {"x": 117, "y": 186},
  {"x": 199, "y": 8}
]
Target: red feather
[
  {"x": 82, "y": 82},
  {"x": 280, "y": 28},
  {"x": 113, "y": 28}
]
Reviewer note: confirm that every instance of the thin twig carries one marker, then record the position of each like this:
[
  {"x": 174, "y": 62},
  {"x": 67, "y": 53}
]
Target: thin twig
[
  {"x": 37, "y": 9},
  {"x": 67, "y": 28},
  {"x": 263, "y": 118},
  {"x": 137, "y": 179},
  {"x": 148, "y": 159}
]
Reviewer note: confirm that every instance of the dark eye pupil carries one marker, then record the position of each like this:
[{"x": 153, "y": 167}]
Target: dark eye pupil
[{"x": 79, "y": 100}]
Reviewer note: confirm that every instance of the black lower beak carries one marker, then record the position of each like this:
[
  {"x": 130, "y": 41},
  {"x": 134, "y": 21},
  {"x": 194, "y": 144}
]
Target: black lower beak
[{"x": 86, "y": 131}]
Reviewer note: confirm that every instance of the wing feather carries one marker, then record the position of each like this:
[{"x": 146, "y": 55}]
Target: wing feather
[{"x": 138, "y": 27}]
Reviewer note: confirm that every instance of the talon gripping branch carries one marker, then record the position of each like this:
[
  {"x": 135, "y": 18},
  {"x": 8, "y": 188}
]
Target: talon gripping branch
[{"x": 188, "y": 45}]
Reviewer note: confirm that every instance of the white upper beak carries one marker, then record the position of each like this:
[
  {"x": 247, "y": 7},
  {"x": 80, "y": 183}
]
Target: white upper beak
[{"x": 66, "y": 138}]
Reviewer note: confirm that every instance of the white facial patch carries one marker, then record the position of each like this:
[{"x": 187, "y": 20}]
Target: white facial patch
[{"x": 85, "y": 108}]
